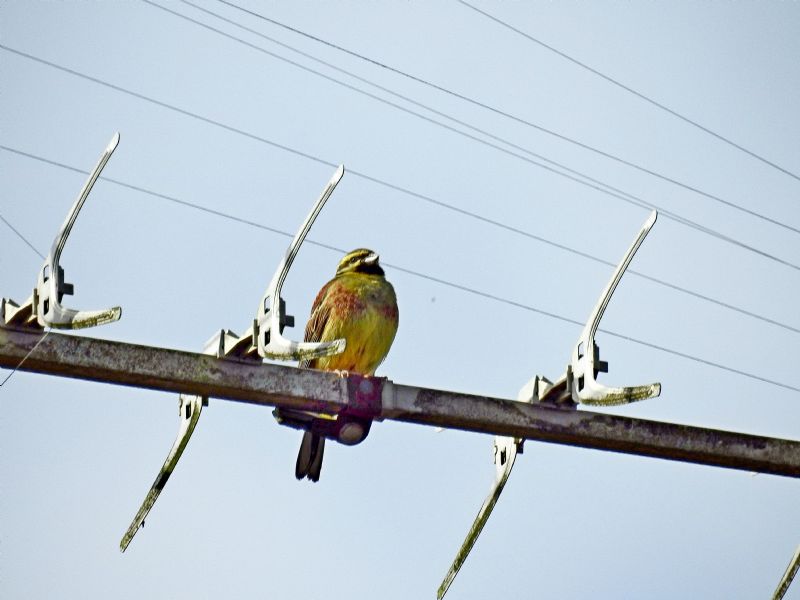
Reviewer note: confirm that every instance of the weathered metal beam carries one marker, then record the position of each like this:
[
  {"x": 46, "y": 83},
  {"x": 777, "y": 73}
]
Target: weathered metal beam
[{"x": 289, "y": 387}]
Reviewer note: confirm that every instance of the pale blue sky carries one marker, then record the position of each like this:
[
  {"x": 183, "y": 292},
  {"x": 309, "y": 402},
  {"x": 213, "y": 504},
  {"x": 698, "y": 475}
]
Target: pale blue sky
[{"x": 385, "y": 520}]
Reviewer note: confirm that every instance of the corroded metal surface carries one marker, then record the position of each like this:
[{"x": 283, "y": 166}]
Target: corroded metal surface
[
  {"x": 173, "y": 371},
  {"x": 305, "y": 389},
  {"x": 592, "y": 430}
]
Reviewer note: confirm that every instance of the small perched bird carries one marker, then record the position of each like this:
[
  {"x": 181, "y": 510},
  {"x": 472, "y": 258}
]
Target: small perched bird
[{"x": 359, "y": 305}]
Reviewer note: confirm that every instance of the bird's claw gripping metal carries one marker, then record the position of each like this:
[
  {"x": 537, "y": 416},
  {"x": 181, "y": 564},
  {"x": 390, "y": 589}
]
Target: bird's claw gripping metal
[
  {"x": 578, "y": 385},
  {"x": 43, "y": 308},
  {"x": 270, "y": 319}
]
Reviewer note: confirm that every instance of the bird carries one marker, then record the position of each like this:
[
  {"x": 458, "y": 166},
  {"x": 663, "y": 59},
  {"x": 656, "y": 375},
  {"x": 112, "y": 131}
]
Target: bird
[{"x": 358, "y": 304}]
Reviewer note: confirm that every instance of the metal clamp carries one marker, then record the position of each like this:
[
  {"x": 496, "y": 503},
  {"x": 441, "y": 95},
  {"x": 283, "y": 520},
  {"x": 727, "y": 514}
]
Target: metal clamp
[
  {"x": 578, "y": 385},
  {"x": 263, "y": 339},
  {"x": 585, "y": 361},
  {"x": 351, "y": 425},
  {"x": 44, "y": 306},
  {"x": 270, "y": 316}
]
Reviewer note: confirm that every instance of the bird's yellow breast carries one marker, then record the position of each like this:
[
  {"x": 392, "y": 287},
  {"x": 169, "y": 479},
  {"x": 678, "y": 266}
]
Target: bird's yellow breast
[{"x": 363, "y": 311}]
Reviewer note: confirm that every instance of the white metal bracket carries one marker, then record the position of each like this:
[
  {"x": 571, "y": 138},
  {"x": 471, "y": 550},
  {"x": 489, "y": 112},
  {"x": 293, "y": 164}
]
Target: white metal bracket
[
  {"x": 44, "y": 307},
  {"x": 270, "y": 316},
  {"x": 585, "y": 361},
  {"x": 263, "y": 339},
  {"x": 578, "y": 385}
]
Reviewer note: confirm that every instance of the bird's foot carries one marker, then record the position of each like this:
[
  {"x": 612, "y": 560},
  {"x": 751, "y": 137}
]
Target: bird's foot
[{"x": 342, "y": 374}]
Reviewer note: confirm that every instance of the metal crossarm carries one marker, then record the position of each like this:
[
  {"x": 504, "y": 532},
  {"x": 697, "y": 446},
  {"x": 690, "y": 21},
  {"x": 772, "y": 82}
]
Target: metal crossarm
[{"x": 305, "y": 389}]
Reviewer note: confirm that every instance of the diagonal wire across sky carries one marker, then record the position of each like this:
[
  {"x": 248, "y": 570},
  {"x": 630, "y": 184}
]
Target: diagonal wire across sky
[
  {"x": 630, "y": 90},
  {"x": 465, "y": 98},
  {"x": 556, "y": 168},
  {"x": 464, "y": 288}
]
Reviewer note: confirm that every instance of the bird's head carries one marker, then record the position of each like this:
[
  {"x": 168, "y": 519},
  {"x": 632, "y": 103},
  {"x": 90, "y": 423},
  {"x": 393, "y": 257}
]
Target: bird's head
[{"x": 361, "y": 260}]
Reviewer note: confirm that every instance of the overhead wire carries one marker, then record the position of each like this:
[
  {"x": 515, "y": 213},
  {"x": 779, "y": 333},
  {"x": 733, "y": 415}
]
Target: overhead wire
[
  {"x": 22, "y": 237},
  {"x": 469, "y": 100},
  {"x": 445, "y": 205},
  {"x": 46, "y": 333},
  {"x": 418, "y": 274},
  {"x": 382, "y": 182},
  {"x": 630, "y": 90},
  {"x": 570, "y": 174}
]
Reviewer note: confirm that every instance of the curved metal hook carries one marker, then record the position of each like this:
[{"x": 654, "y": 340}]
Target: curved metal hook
[
  {"x": 505, "y": 454},
  {"x": 189, "y": 410},
  {"x": 585, "y": 361},
  {"x": 270, "y": 317},
  {"x": 50, "y": 285}
]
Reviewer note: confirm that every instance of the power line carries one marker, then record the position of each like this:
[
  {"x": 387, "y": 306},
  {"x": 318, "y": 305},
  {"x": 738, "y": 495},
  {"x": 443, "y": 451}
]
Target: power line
[
  {"x": 393, "y": 187},
  {"x": 22, "y": 237},
  {"x": 472, "y": 101},
  {"x": 575, "y": 176},
  {"x": 475, "y": 216},
  {"x": 457, "y": 286},
  {"x": 631, "y": 90},
  {"x": 268, "y": 141},
  {"x": 40, "y": 255}
]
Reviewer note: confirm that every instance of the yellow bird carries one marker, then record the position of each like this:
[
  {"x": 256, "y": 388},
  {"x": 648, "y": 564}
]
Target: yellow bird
[{"x": 359, "y": 305}]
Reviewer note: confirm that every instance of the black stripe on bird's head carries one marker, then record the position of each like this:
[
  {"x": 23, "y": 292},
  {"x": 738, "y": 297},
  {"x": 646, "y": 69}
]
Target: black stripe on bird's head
[{"x": 361, "y": 260}]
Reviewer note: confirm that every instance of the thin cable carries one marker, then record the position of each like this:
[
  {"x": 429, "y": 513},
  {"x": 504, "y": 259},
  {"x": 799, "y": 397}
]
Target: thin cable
[
  {"x": 24, "y": 358},
  {"x": 40, "y": 255},
  {"x": 631, "y": 90},
  {"x": 472, "y": 101},
  {"x": 606, "y": 331},
  {"x": 436, "y": 202},
  {"x": 576, "y": 176},
  {"x": 22, "y": 237},
  {"x": 425, "y": 276},
  {"x": 388, "y": 184}
]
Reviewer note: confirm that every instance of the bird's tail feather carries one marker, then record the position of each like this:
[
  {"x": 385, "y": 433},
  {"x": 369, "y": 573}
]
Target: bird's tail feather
[{"x": 309, "y": 458}]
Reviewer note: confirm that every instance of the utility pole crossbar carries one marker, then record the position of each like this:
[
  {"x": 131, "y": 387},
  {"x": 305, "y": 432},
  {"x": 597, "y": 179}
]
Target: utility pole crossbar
[{"x": 303, "y": 389}]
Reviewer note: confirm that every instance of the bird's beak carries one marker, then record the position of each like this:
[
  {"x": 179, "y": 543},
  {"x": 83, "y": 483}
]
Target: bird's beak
[{"x": 372, "y": 259}]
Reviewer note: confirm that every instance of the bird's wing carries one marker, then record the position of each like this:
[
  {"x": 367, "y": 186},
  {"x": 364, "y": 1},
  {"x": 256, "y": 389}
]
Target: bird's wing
[{"x": 320, "y": 313}]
